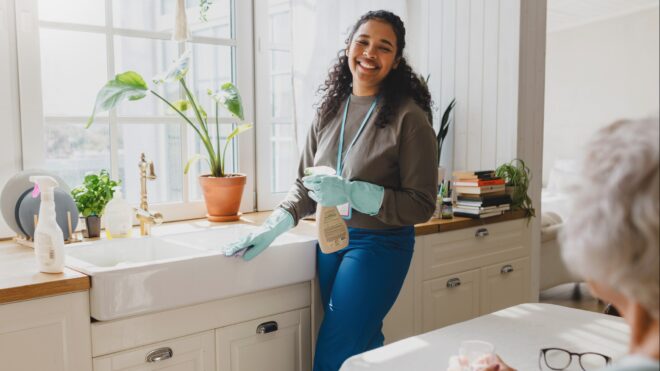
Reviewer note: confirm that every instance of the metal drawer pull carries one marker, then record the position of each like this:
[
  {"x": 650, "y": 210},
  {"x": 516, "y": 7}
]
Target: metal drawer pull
[
  {"x": 160, "y": 354},
  {"x": 454, "y": 282},
  {"x": 481, "y": 232},
  {"x": 506, "y": 269},
  {"x": 267, "y": 327}
]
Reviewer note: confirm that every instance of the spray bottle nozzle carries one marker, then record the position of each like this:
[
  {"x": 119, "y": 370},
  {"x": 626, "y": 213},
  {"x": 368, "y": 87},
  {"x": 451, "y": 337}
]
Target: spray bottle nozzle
[
  {"x": 35, "y": 191},
  {"x": 42, "y": 182}
]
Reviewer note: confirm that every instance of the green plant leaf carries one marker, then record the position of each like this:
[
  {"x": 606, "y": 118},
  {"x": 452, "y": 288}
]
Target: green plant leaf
[
  {"x": 95, "y": 192},
  {"x": 238, "y": 130},
  {"x": 192, "y": 160},
  {"x": 204, "y": 6},
  {"x": 176, "y": 71},
  {"x": 128, "y": 85},
  {"x": 230, "y": 98},
  {"x": 444, "y": 127},
  {"x": 517, "y": 175},
  {"x": 182, "y": 105}
]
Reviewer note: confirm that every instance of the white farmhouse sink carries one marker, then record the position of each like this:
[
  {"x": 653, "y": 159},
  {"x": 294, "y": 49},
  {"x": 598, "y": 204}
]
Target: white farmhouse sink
[{"x": 140, "y": 275}]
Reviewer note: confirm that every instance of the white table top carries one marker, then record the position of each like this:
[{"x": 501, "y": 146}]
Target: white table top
[{"x": 518, "y": 334}]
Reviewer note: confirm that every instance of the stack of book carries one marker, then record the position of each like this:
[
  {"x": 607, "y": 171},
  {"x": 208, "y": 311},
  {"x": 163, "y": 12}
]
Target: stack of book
[{"x": 480, "y": 194}]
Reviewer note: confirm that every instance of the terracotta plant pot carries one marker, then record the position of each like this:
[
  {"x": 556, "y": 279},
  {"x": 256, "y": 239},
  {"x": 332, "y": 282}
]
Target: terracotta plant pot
[{"x": 223, "y": 196}]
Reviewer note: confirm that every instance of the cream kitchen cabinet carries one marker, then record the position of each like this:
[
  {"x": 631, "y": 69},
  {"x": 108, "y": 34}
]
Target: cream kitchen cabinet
[
  {"x": 190, "y": 353},
  {"x": 461, "y": 274},
  {"x": 265, "y": 330},
  {"x": 450, "y": 299},
  {"x": 50, "y": 333},
  {"x": 276, "y": 343},
  {"x": 504, "y": 284}
]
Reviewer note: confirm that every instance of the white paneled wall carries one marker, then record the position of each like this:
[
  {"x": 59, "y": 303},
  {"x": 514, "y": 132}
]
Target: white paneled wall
[
  {"x": 472, "y": 55},
  {"x": 490, "y": 56}
]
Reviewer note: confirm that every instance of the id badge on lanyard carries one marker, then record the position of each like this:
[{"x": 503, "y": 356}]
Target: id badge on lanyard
[{"x": 345, "y": 210}]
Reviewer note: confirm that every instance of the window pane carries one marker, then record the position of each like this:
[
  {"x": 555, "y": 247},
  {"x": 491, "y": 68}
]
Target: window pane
[
  {"x": 211, "y": 67},
  {"x": 281, "y": 96},
  {"x": 284, "y": 159},
  {"x": 280, "y": 61},
  {"x": 73, "y": 69},
  {"x": 158, "y": 15},
  {"x": 147, "y": 15},
  {"x": 280, "y": 27},
  {"x": 72, "y": 150},
  {"x": 161, "y": 143},
  {"x": 148, "y": 58},
  {"x": 73, "y": 11},
  {"x": 218, "y": 20},
  {"x": 202, "y": 167}
]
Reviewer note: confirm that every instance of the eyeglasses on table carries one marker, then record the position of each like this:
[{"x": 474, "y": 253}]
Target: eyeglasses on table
[{"x": 560, "y": 359}]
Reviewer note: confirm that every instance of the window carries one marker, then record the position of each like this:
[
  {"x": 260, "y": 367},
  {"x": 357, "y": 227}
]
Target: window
[
  {"x": 67, "y": 49},
  {"x": 278, "y": 155}
]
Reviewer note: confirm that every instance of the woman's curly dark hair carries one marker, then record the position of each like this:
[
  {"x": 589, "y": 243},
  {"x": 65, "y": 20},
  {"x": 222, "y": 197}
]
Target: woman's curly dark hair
[{"x": 399, "y": 84}]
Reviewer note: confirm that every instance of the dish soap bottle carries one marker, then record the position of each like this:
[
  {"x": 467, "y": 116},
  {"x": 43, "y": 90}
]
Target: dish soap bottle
[
  {"x": 332, "y": 230},
  {"x": 48, "y": 237},
  {"x": 118, "y": 217}
]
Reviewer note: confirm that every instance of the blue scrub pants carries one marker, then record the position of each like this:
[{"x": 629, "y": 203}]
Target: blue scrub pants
[{"x": 359, "y": 285}]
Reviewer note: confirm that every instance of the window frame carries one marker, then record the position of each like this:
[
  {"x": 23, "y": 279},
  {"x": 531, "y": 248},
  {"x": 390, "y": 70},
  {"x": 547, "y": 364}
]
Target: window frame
[
  {"x": 267, "y": 198},
  {"x": 31, "y": 104}
]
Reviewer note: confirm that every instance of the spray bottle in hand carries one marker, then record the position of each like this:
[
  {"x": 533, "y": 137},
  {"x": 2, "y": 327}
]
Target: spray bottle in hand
[
  {"x": 332, "y": 230},
  {"x": 48, "y": 237}
]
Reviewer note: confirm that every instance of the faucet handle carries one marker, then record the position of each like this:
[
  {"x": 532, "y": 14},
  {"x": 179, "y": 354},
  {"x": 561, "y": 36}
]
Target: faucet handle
[
  {"x": 158, "y": 217},
  {"x": 152, "y": 172}
]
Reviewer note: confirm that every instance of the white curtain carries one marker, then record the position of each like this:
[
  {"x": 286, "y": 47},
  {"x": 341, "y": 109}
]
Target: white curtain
[{"x": 319, "y": 29}]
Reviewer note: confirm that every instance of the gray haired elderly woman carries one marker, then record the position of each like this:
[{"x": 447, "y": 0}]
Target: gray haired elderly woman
[{"x": 611, "y": 238}]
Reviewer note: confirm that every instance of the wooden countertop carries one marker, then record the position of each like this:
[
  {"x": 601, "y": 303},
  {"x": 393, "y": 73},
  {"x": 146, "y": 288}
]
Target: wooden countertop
[
  {"x": 446, "y": 225},
  {"x": 20, "y": 278}
]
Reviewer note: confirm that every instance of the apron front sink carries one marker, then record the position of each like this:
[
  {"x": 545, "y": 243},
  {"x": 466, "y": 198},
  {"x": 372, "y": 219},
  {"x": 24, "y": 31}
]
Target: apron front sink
[{"x": 141, "y": 275}]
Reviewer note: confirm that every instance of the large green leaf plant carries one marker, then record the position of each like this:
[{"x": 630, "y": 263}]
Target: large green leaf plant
[{"x": 131, "y": 86}]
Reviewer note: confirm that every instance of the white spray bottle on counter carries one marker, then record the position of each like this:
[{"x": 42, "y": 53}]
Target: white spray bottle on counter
[{"x": 48, "y": 237}]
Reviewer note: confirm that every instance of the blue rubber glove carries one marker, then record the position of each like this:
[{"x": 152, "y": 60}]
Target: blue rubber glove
[
  {"x": 277, "y": 223},
  {"x": 333, "y": 190}
]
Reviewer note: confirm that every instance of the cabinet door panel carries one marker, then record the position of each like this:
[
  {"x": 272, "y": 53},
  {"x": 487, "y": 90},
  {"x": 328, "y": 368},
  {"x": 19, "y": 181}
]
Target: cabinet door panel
[
  {"x": 46, "y": 334},
  {"x": 190, "y": 353},
  {"x": 444, "y": 305},
  {"x": 400, "y": 321},
  {"x": 504, "y": 285},
  {"x": 287, "y": 348},
  {"x": 472, "y": 248}
]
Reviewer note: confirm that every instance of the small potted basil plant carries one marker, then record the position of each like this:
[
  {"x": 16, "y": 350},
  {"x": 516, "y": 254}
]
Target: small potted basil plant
[{"x": 91, "y": 197}]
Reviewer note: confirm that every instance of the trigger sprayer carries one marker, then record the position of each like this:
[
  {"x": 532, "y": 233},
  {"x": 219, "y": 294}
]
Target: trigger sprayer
[{"x": 48, "y": 237}]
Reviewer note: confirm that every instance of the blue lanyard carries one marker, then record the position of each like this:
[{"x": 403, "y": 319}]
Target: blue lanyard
[{"x": 340, "y": 149}]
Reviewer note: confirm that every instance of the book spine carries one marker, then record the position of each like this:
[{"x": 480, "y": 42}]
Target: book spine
[
  {"x": 480, "y": 183},
  {"x": 480, "y": 190},
  {"x": 466, "y": 215}
]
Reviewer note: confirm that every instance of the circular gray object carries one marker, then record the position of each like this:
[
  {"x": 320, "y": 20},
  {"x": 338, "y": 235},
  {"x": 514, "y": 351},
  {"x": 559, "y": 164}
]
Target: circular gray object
[
  {"x": 28, "y": 207},
  {"x": 15, "y": 187}
]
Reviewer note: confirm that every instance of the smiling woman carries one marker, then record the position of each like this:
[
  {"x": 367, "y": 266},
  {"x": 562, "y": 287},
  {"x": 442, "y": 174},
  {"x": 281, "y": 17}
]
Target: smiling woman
[
  {"x": 372, "y": 55},
  {"x": 373, "y": 127}
]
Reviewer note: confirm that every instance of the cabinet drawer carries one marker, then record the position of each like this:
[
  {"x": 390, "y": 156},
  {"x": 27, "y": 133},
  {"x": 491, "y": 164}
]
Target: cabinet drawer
[
  {"x": 190, "y": 353},
  {"x": 470, "y": 248},
  {"x": 504, "y": 285},
  {"x": 276, "y": 343},
  {"x": 450, "y": 299}
]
